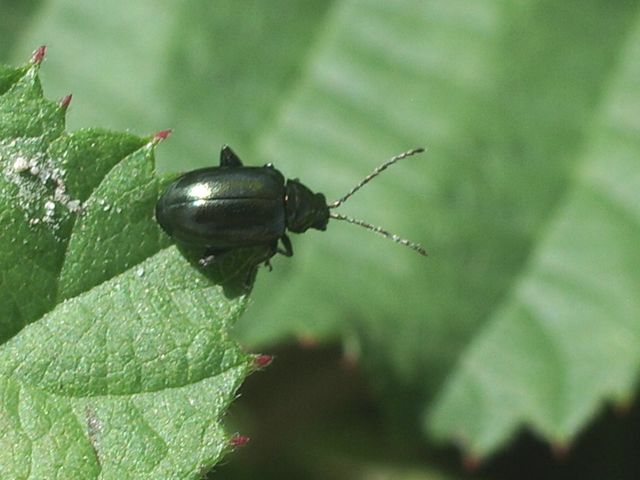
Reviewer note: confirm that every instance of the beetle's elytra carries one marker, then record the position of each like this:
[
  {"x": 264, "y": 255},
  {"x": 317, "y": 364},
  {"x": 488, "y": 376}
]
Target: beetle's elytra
[{"x": 232, "y": 206}]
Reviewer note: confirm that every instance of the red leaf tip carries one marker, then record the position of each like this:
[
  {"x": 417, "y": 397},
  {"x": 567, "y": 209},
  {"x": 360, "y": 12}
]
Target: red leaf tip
[
  {"x": 560, "y": 450},
  {"x": 350, "y": 361},
  {"x": 65, "y": 101},
  {"x": 623, "y": 407},
  {"x": 161, "y": 135},
  {"x": 471, "y": 462},
  {"x": 307, "y": 340},
  {"x": 239, "y": 440},
  {"x": 263, "y": 360},
  {"x": 38, "y": 55}
]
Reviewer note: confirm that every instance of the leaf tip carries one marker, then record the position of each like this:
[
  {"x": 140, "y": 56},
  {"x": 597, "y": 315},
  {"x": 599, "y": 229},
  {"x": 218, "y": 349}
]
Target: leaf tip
[
  {"x": 161, "y": 135},
  {"x": 239, "y": 441},
  {"x": 263, "y": 360},
  {"x": 307, "y": 340},
  {"x": 38, "y": 55},
  {"x": 350, "y": 361},
  {"x": 623, "y": 407},
  {"x": 560, "y": 450},
  {"x": 65, "y": 101},
  {"x": 471, "y": 462}
]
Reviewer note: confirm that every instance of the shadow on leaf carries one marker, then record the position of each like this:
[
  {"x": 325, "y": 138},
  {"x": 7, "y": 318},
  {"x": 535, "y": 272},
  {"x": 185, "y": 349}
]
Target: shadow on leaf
[{"x": 235, "y": 271}]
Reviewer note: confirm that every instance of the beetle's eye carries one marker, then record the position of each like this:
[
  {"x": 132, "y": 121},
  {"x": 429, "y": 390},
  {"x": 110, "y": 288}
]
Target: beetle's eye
[{"x": 269, "y": 165}]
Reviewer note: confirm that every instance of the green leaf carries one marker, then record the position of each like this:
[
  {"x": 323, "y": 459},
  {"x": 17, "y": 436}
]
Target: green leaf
[
  {"x": 504, "y": 94},
  {"x": 566, "y": 337},
  {"x": 116, "y": 360},
  {"x": 32, "y": 239}
]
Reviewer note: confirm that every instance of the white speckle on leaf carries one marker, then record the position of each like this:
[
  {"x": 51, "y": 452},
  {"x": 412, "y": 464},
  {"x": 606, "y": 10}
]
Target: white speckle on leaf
[
  {"x": 74, "y": 205},
  {"x": 59, "y": 194},
  {"x": 140, "y": 272},
  {"x": 20, "y": 165},
  {"x": 40, "y": 183}
]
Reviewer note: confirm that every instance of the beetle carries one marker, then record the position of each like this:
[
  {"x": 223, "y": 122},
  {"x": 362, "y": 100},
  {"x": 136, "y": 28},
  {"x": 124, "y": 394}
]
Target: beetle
[{"x": 233, "y": 206}]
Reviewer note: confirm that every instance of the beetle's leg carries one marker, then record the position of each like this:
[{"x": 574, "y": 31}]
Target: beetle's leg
[
  {"x": 274, "y": 249},
  {"x": 207, "y": 260},
  {"x": 228, "y": 158},
  {"x": 250, "y": 278},
  {"x": 288, "y": 248},
  {"x": 210, "y": 256}
]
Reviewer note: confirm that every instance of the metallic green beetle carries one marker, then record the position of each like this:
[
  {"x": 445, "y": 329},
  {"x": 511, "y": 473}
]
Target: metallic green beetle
[{"x": 233, "y": 206}]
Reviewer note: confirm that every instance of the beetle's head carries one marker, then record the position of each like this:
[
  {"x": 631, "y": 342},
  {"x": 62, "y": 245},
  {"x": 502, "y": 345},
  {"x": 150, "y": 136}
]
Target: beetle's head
[{"x": 304, "y": 208}]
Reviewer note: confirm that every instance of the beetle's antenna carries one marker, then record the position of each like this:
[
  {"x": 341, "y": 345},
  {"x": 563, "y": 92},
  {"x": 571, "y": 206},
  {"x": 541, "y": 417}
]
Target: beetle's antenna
[
  {"x": 375, "y": 173},
  {"x": 392, "y": 236}
]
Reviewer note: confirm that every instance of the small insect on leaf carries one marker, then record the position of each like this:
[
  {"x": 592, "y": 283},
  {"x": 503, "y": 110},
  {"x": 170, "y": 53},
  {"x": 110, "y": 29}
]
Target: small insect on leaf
[{"x": 232, "y": 206}]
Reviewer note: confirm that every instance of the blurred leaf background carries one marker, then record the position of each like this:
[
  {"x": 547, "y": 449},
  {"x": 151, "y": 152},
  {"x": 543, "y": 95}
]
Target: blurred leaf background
[{"x": 526, "y": 315}]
